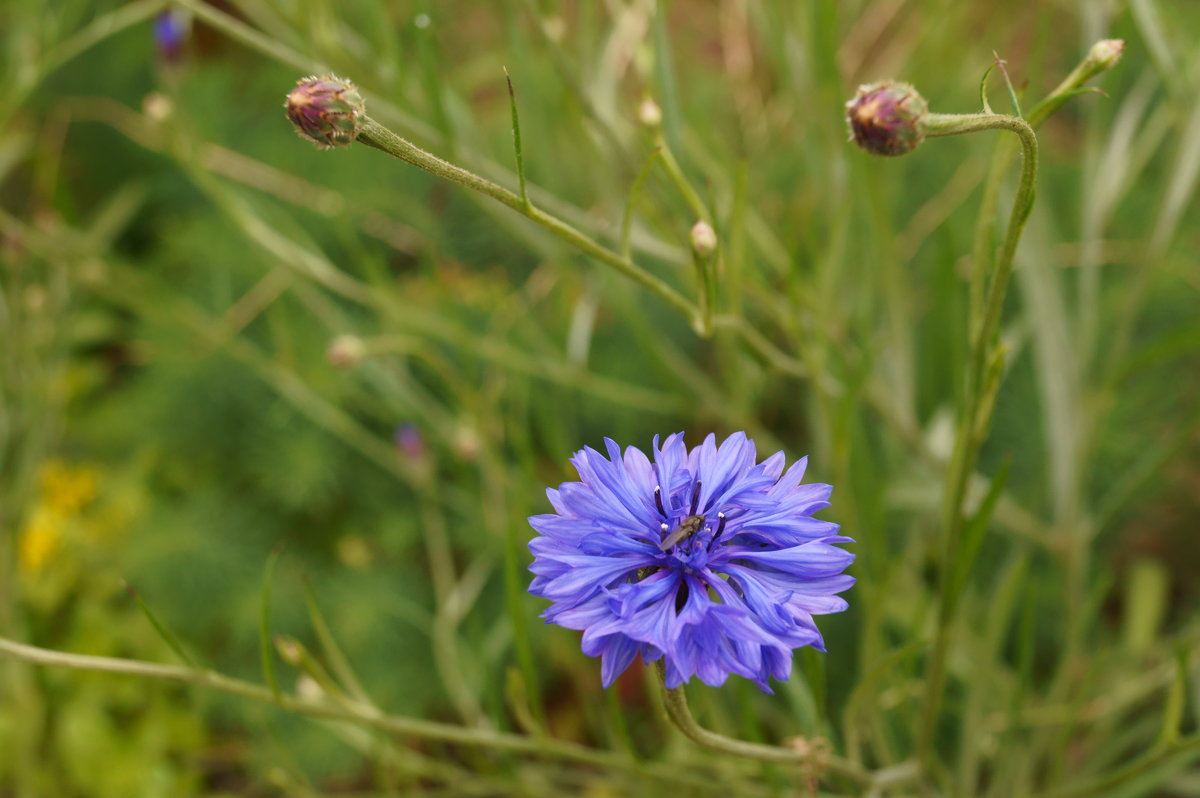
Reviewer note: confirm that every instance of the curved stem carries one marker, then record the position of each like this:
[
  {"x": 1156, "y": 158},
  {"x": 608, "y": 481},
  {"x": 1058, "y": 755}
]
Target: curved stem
[
  {"x": 975, "y": 410},
  {"x": 953, "y": 124},
  {"x": 346, "y": 710},
  {"x": 801, "y": 753},
  {"x": 376, "y": 135}
]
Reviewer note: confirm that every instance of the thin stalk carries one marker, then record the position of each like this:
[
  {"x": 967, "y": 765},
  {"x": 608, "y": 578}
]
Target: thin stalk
[
  {"x": 264, "y": 625},
  {"x": 168, "y": 637},
  {"x": 376, "y": 135},
  {"x": 338, "y": 661},
  {"x": 635, "y": 191},
  {"x": 685, "y": 188},
  {"x": 348, "y": 711},
  {"x": 801, "y": 753},
  {"x": 1070, "y": 86},
  {"x": 1101, "y": 57},
  {"x": 975, "y": 413},
  {"x": 445, "y": 649},
  {"x": 706, "y": 284}
]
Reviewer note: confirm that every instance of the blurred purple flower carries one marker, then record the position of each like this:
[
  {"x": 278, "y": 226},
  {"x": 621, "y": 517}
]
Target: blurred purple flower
[
  {"x": 170, "y": 33},
  {"x": 702, "y": 558},
  {"x": 408, "y": 440}
]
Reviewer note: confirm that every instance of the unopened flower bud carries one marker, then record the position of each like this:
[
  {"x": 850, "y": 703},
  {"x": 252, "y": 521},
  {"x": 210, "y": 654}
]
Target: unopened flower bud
[
  {"x": 289, "y": 650},
  {"x": 157, "y": 106},
  {"x": 345, "y": 352},
  {"x": 649, "y": 114},
  {"x": 328, "y": 111},
  {"x": 1106, "y": 53},
  {"x": 555, "y": 28},
  {"x": 885, "y": 118},
  {"x": 307, "y": 689},
  {"x": 703, "y": 239},
  {"x": 467, "y": 444}
]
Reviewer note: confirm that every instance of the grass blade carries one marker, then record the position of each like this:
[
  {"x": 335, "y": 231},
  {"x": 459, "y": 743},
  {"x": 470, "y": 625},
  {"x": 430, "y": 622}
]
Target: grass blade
[
  {"x": 1176, "y": 701},
  {"x": 163, "y": 632},
  {"x": 338, "y": 662},
  {"x": 1012, "y": 93},
  {"x": 516, "y": 126},
  {"x": 983, "y": 99},
  {"x": 635, "y": 191},
  {"x": 973, "y": 533},
  {"x": 264, "y": 624}
]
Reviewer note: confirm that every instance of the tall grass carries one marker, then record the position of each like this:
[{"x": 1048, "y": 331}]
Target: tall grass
[{"x": 176, "y": 264}]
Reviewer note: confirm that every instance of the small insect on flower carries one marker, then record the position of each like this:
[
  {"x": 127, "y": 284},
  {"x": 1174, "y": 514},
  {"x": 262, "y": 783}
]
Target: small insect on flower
[
  {"x": 687, "y": 527},
  {"x": 705, "y": 559}
]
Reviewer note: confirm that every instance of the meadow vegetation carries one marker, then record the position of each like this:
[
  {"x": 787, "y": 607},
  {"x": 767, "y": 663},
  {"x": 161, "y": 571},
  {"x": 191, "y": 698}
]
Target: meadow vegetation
[{"x": 281, "y": 414}]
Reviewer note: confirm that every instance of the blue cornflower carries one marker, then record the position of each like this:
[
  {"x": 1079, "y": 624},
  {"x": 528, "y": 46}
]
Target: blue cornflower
[{"x": 703, "y": 558}]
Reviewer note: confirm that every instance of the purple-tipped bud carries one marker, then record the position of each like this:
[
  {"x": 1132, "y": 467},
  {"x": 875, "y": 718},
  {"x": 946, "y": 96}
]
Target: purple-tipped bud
[
  {"x": 885, "y": 118},
  {"x": 328, "y": 110}
]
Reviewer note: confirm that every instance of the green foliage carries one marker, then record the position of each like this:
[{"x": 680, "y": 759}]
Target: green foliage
[{"x": 175, "y": 263}]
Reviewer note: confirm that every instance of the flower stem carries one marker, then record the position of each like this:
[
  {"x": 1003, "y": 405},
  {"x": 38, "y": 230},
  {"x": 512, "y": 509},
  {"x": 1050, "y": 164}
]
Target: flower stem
[
  {"x": 975, "y": 411},
  {"x": 685, "y": 188},
  {"x": 802, "y": 752},
  {"x": 376, "y": 135},
  {"x": 348, "y": 710},
  {"x": 1102, "y": 56}
]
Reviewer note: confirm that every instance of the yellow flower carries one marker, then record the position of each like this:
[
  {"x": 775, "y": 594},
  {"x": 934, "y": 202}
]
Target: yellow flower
[
  {"x": 40, "y": 539},
  {"x": 67, "y": 488}
]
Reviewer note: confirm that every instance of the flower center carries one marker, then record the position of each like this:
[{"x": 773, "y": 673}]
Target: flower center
[{"x": 691, "y": 525}]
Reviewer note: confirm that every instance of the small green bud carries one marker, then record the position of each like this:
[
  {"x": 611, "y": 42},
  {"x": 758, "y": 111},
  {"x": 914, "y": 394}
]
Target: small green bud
[
  {"x": 703, "y": 239},
  {"x": 307, "y": 689},
  {"x": 157, "y": 106},
  {"x": 1105, "y": 54},
  {"x": 466, "y": 442},
  {"x": 327, "y": 110},
  {"x": 885, "y": 118},
  {"x": 649, "y": 114},
  {"x": 345, "y": 352},
  {"x": 289, "y": 650}
]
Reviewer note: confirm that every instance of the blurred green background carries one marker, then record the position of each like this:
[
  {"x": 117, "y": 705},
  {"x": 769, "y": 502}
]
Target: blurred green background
[{"x": 216, "y": 341}]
